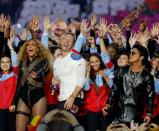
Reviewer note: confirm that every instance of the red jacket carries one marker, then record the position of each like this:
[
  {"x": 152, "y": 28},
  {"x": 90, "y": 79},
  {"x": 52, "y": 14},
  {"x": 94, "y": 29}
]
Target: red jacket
[
  {"x": 96, "y": 101},
  {"x": 8, "y": 83},
  {"x": 155, "y": 111},
  {"x": 51, "y": 99}
]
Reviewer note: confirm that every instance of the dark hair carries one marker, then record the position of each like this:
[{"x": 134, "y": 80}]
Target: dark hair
[
  {"x": 102, "y": 67},
  {"x": 143, "y": 52},
  {"x": 123, "y": 53},
  {"x": 116, "y": 50},
  {"x": 74, "y": 37},
  {"x": 59, "y": 120},
  {"x": 156, "y": 54},
  {"x": 113, "y": 46},
  {"x": 85, "y": 56},
  {"x": 53, "y": 42},
  {"x": 59, "y": 125},
  {"x": 11, "y": 69},
  {"x": 53, "y": 49}
]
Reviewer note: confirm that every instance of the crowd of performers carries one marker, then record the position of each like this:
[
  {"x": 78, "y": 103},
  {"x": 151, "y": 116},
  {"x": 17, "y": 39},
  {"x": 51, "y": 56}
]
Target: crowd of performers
[{"x": 92, "y": 69}]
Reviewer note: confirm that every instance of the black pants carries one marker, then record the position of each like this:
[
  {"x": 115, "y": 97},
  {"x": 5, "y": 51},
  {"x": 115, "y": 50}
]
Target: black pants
[
  {"x": 60, "y": 105},
  {"x": 7, "y": 120},
  {"x": 51, "y": 107},
  {"x": 80, "y": 119},
  {"x": 96, "y": 121}
]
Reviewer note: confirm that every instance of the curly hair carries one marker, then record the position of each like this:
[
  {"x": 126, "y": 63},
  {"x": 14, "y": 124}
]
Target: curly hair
[{"x": 41, "y": 52}]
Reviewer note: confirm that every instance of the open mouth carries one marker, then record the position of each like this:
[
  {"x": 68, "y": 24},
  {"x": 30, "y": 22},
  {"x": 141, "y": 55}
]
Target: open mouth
[
  {"x": 65, "y": 45},
  {"x": 30, "y": 50}
]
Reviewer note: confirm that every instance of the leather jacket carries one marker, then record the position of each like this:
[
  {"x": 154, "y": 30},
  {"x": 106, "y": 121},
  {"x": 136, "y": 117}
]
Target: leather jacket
[
  {"x": 132, "y": 91},
  {"x": 41, "y": 68}
]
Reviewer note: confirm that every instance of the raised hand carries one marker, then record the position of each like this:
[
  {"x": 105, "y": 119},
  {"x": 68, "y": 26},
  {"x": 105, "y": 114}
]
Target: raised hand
[
  {"x": 10, "y": 43},
  {"x": 12, "y": 32},
  {"x": 11, "y": 39},
  {"x": 155, "y": 30},
  {"x": 143, "y": 38},
  {"x": 7, "y": 27},
  {"x": 46, "y": 23},
  {"x": 34, "y": 23},
  {"x": 132, "y": 40},
  {"x": 84, "y": 26},
  {"x": 93, "y": 21},
  {"x": 2, "y": 22},
  {"x": 23, "y": 35},
  {"x": 103, "y": 28},
  {"x": 7, "y": 22}
]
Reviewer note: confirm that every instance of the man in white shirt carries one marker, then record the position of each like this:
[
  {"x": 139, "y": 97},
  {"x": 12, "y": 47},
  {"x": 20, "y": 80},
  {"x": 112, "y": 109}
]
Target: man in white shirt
[{"x": 70, "y": 69}]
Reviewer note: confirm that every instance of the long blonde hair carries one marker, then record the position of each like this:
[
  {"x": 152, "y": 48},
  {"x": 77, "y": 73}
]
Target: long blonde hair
[{"x": 41, "y": 52}]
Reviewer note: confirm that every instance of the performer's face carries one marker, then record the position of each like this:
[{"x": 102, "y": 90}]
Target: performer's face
[
  {"x": 95, "y": 63},
  {"x": 67, "y": 42},
  {"x": 123, "y": 60},
  {"x": 32, "y": 48},
  {"x": 91, "y": 40},
  {"x": 135, "y": 56},
  {"x": 112, "y": 52},
  {"x": 59, "y": 32},
  {"x": 5, "y": 63},
  {"x": 155, "y": 63}
]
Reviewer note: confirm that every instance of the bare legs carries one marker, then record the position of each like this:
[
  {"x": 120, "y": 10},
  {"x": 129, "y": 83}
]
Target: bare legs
[{"x": 22, "y": 116}]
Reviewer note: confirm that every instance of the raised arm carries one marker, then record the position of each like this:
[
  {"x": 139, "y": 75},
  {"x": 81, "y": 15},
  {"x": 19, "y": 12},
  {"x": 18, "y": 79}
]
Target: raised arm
[
  {"x": 45, "y": 35},
  {"x": 13, "y": 53},
  {"x": 2, "y": 24},
  {"x": 80, "y": 40}
]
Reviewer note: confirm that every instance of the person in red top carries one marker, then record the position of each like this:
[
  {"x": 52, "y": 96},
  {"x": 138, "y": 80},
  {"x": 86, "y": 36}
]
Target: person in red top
[
  {"x": 52, "y": 97},
  {"x": 97, "y": 88},
  {"x": 8, "y": 80}
]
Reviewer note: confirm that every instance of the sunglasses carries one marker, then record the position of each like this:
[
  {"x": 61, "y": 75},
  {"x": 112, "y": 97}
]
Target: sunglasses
[{"x": 133, "y": 53}]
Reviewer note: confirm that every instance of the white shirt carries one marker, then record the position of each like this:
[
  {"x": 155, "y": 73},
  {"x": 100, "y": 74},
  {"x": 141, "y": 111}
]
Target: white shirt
[{"x": 71, "y": 73}]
